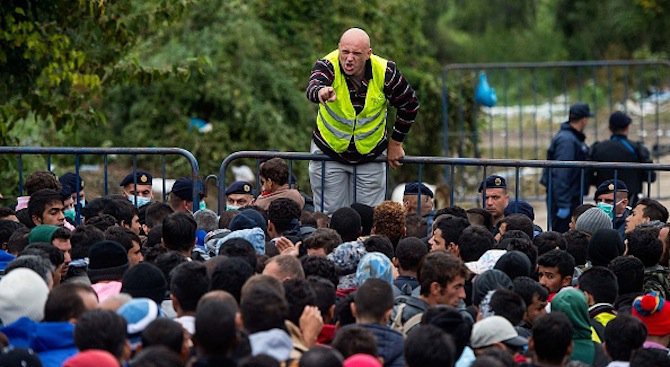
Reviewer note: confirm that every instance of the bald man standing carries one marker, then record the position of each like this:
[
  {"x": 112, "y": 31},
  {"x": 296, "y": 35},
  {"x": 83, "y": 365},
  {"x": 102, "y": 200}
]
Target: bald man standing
[{"x": 353, "y": 88}]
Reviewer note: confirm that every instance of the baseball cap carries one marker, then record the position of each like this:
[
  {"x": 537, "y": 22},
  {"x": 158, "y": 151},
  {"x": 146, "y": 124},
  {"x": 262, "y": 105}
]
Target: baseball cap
[
  {"x": 579, "y": 111},
  {"x": 495, "y": 329}
]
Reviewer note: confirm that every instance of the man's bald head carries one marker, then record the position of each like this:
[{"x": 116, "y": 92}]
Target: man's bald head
[
  {"x": 356, "y": 35},
  {"x": 355, "y": 51}
]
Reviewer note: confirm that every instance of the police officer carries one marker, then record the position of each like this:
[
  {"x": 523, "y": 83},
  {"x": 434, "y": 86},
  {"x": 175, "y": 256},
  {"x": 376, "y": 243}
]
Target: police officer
[
  {"x": 616, "y": 207},
  {"x": 567, "y": 145},
  {"x": 619, "y": 149}
]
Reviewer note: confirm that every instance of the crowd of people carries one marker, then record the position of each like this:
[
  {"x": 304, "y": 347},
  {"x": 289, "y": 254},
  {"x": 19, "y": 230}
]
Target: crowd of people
[{"x": 143, "y": 282}]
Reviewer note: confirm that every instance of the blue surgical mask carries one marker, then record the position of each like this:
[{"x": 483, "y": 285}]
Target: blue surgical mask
[
  {"x": 203, "y": 205},
  {"x": 69, "y": 213},
  {"x": 607, "y": 209},
  {"x": 82, "y": 202},
  {"x": 141, "y": 200},
  {"x": 231, "y": 207}
]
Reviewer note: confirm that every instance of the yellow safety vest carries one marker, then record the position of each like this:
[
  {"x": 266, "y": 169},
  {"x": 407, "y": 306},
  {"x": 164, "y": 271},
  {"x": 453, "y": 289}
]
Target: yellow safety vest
[{"x": 338, "y": 122}]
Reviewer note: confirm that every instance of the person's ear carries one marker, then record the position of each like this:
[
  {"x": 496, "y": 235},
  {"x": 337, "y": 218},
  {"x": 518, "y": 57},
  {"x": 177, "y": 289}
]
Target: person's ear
[
  {"x": 567, "y": 281},
  {"x": 352, "y": 307},
  {"x": 239, "y": 323}
]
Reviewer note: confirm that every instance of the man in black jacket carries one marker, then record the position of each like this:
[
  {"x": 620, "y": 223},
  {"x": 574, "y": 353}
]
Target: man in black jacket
[{"x": 619, "y": 149}]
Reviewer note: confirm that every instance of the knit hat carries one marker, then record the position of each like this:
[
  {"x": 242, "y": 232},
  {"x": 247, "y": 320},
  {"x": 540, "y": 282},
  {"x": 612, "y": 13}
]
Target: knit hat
[
  {"x": 107, "y": 260},
  {"x": 247, "y": 219},
  {"x": 361, "y": 360},
  {"x": 138, "y": 313},
  {"x": 22, "y": 293},
  {"x": 495, "y": 329},
  {"x": 42, "y": 233},
  {"x": 346, "y": 257},
  {"x": 374, "y": 265},
  {"x": 488, "y": 281},
  {"x": 592, "y": 220},
  {"x": 92, "y": 358},
  {"x": 19, "y": 357},
  {"x": 654, "y": 312},
  {"x": 145, "y": 280},
  {"x": 605, "y": 245}
]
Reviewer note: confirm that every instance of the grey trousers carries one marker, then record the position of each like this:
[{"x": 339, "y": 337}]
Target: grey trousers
[{"x": 335, "y": 182}]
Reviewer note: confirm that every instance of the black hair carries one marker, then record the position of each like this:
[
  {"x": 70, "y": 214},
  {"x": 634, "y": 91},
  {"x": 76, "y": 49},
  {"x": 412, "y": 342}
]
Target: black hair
[
  {"x": 343, "y": 314},
  {"x": 189, "y": 282},
  {"x": 18, "y": 240},
  {"x": 325, "y": 238},
  {"x": 519, "y": 222},
  {"x": 83, "y": 237},
  {"x": 64, "y": 302},
  {"x": 650, "y": 357},
  {"x": 644, "y": 244},
  {"x": 48, "y": 251},
  {"x": 325, "y": 293},
  {"x": 455, "y": 211},
  {"x": 276, "y": 170},
  {"x": 321, "y": 267},
  {"x": 157, "y": 356},
  {"x": 284, "y": 214},
  {"x": 353, "y": 339},
  {"x": 441, "y": 268},
  {"x": 429, "y": 346},
  {"x": 101, "y": 329},
  {"x": 451, "y": 227},
  {"x": 409, "y": 253},
  {"x": 473, "y": 242},
  {"x": 487, "y": 218},
  {"x": 179, "y": 231},
  {"x": 601, "y": 283},
  {"x": 523, "y": 245},
  {"x": 101, "y": 221},
  {"x": 226, "y": 217},
  {"x": 577, "y": 245},
  {"x": 379, "y": 243},
  {"x": 347, "y": 223},
  {"x": 515, "y": 264},
  {"x": 154, "y": 237},
  {"x": 550, "y": 240},
  {"x": 121, "y": 209},
  {"x": 164, "y": 331},
  {"x": 263, "y": 308},
  {"x": 7, "y": 228},
  {"x": 299, "y": 293},
  {"x": 321, "y": 356},
  {"x": 629, "y": 273},
  {"x": 239, "y": 247},
  {"x": 529, "y": 288},
  {"x": 373, "y": 299},
  {"x": 654, "y": 210},
  {"x": 558, "y": 259},
  {"x": 6, "y": 212},
  {"x": 508, "y": 304},
  {"x": 123, "y": 236},
  {"x": 155, "y": 213},
  {"x": 230, "y": 275},
  {"x": 39, "y": 201},
  {"x": 366, "y": 213},
  {"x": 215, "y": 332},
  {"x": 552, "y": 336},
  {"x": 259, "y": 360},
  {"x": 168, "y": 261},
  {"x": 623, "y": 335},
  {"x": 415, "y": 225},
  {"x": 451, "y": 321}
]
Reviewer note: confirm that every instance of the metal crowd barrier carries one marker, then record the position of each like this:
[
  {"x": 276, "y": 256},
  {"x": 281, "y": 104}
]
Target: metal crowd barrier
[
  {"x": 533, "y": 98},
  {"x": 78, "y": 153},
  {"x": 461, "y": 187}
]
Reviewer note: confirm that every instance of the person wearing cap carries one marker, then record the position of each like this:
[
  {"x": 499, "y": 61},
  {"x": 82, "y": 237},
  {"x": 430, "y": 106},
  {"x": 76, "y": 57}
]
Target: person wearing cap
[
  {"x": 238, "y": 195},
  {"x": 619, "y": 149},
  {"x": 615, "y": 207},
  {"x": 654, "y": 312},
  {"x": 565, "y": 193},
  {"x": 353, "y": 89},
  {"x": 137, "y": 187},
  {"x": 181, "y": 195},
  {"x": 415, "y": 194},
  {"x": 494, "y": 194},
  {"x": 496, "y": 332}
]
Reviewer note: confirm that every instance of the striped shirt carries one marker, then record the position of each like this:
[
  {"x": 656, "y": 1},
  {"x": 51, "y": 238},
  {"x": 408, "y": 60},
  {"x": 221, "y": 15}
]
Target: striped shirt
[{"x": 397, "y": 91}]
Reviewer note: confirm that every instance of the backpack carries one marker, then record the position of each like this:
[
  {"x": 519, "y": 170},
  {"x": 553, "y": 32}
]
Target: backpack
[
  {"x": 405, "y": 308},
  {"x": 657, "y": 280}
]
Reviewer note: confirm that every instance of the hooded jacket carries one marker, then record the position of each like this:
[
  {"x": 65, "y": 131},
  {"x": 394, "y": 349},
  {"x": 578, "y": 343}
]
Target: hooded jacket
[
  {"x": 573, "y": 304},
  {"x": 52, "y": 341},
  {"x": 276, "y": 343},
  {"x": 389, "y": 344}
]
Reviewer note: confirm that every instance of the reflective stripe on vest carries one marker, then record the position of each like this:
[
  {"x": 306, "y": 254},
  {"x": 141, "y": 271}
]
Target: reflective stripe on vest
[{"x": 338, "y": 122}]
